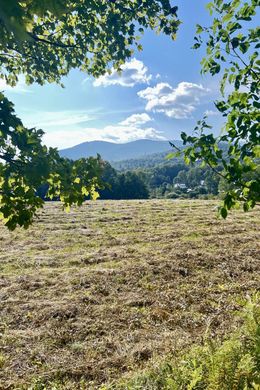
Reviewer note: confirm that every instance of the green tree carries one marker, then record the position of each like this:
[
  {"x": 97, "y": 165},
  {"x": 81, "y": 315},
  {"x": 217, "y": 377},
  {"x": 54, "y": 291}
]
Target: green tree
[
  {"x": 132, "y": 186},
  {"x": 127, "y": 185},
  {"x": 43, "y": 40},
  {"x": 232, "y": 43},
  {"x": 212, "y": 180}
]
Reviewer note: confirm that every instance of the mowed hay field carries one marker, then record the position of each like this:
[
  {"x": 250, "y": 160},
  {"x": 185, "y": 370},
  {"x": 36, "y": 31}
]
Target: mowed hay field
[{"x": 112, "y": 287}]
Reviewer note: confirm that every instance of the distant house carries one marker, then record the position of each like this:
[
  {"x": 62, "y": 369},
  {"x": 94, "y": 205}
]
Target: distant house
[
  {"x": 202, "y": 183},
  {"x": 181, "y": 186}
]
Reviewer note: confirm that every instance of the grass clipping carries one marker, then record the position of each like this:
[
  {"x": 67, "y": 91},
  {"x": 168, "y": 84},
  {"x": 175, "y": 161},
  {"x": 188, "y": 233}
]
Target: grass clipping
[{"x": 233, "y": 364}]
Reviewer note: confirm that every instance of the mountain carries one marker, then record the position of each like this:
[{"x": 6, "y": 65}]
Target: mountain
[{"x": 116, "y": 152}]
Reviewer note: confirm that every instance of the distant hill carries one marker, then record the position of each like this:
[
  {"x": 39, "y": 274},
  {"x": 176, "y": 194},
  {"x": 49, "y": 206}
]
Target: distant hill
[
  {"x": 116, "y": 152},
  {"x": 148, "y": 161}
]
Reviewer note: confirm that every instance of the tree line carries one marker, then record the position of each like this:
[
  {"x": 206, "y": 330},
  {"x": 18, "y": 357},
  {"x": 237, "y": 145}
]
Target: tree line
[{"x": 166, "y": 180}]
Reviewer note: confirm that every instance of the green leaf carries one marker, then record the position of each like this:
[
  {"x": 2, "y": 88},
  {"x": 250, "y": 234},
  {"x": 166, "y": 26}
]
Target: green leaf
[
  {"x": 199, "y": 29},
  {"x": 223, "y": 212}
]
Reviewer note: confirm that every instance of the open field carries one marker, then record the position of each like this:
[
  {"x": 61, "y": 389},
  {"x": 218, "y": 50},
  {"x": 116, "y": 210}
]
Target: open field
[{"x": 111, "y": 287}]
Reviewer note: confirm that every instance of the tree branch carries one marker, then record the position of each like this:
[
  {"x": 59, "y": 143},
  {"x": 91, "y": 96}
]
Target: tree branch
[
  {"x": 245, "y": 64},
  {"x": 56, "y": 44}
]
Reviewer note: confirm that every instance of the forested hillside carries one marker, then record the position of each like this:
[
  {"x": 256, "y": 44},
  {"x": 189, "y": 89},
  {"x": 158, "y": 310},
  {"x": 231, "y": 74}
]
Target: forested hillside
[
  {"x": 170, "y": 179},
  {"x": 112, "y": 151},
  {"x": 148, "y": 161}
]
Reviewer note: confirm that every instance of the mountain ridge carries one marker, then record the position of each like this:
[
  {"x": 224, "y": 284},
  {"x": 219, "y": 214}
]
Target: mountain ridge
[{"x": 117, "y": 152}]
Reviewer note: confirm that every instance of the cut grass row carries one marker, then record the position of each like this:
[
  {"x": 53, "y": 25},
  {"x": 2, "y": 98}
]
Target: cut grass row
[{"x": 92, "y": 296}]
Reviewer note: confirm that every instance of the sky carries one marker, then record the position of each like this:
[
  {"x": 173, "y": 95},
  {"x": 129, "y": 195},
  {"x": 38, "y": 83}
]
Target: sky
[{"x": 159, "y": 94}]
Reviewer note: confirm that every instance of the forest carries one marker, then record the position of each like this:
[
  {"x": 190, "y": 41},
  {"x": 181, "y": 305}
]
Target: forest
[
  {"x": 169, "y": 180},
  {"x": 156, "y": 176},
  {"x": 166, "y": 180}
]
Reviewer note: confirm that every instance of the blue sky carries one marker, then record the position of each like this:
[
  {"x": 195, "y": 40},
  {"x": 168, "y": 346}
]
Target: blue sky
[{"x": 159, "y": 94}]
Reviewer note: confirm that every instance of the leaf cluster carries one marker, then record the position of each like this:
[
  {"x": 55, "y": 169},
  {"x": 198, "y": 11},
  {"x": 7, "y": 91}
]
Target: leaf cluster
[
  {"x": 232, "y": 44},
  {"x": 25, "y": 163},
  {"x": 44, "y": 40}
]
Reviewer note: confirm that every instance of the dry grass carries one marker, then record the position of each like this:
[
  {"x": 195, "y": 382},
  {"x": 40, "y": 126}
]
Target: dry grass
[{"x": 92, "y": 295}]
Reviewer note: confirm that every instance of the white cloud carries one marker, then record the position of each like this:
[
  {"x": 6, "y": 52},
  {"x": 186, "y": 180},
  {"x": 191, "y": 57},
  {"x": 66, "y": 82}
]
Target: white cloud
[
  {"x": 178, "y": 103},
  {"x": 128, "y": 130},
  {"x": 118, "y": 134},
  {"x": 50, "y": 119},
  {"x": 133, "y": 72},
  {"x": 136, "y": 120},
  {"x": 20, "y": 87},
  {"x": 64, "y": 129},
  {"x": 211, "y": 113}
]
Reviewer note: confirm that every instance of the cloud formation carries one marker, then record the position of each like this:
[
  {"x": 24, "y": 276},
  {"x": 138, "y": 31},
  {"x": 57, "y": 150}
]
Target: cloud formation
[
  {"x": 133, "y": 72},
  {"x": 136, "y": 120},
  {"x": 212, "y": 113},
  {"x": 177, "y": 103},
  {"x": 129, "y": 129},
  {"x": 49, "y": 119}
]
